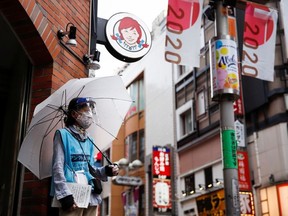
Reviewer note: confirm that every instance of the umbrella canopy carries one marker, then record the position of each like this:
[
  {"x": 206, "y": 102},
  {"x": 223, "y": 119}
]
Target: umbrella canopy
[{"x": 112, "y": 103}]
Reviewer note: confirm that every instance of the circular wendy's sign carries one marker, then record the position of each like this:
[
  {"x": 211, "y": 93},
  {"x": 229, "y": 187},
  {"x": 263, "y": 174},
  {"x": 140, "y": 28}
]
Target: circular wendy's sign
[{"x": 128, "y": 37}]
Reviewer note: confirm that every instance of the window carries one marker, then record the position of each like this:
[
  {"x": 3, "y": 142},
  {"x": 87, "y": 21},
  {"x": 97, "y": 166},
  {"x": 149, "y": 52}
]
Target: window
[
  {"x": 141, "y": 146},
  {"x": 184, "y": 90},
  {"x": 136, "y": 91},
  {"x": 133, "y": 91},
  {"x": 201, "y": 103},
  {"x": 185, "y": 120},
  {"x": 208, "y": 177},
  {"x": 141, "y": 95},
  {"x": 189, "y": 184},
  {"x": 135, "y": 146}
]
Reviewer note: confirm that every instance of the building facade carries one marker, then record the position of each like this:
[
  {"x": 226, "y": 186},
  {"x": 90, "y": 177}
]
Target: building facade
[
  {"x": 150, "y": 122},
  {"x": 173, "y": 108},
  {"x": 34, "y": 63},
  {"x": 264, "y": 118}
]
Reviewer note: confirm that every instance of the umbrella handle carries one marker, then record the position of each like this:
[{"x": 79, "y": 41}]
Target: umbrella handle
[{"x": 107, "y": 159}]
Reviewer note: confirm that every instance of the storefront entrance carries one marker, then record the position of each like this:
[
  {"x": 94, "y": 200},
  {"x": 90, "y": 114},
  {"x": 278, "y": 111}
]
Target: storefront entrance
[{"x": 15, "y": 85}]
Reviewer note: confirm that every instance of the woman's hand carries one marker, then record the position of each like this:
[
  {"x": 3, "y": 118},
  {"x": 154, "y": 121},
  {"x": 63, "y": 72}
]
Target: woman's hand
[
  {"x": 112, "y": 170},
  {"x": 73, "y": 207}
]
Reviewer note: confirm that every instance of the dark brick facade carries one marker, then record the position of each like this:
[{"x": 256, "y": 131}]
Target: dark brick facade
[{"x": 35, "y": 24}]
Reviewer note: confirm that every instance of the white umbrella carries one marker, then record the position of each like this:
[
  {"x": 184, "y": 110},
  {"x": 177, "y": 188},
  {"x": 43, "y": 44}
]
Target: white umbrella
[{"x": 112, "y": 103}]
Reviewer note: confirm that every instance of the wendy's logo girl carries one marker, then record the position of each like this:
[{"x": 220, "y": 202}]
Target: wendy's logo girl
[{"x": 129, "y": 35}]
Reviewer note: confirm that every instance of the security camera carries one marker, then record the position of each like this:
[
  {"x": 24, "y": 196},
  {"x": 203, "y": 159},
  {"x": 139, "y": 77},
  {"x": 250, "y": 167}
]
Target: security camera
[{"x": 209, "y": 12}]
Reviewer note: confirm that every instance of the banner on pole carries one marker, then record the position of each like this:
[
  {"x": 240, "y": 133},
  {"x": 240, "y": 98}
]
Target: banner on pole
[
  {"x": 259, "y": 41},
  {"x": 183, "y": 32}
]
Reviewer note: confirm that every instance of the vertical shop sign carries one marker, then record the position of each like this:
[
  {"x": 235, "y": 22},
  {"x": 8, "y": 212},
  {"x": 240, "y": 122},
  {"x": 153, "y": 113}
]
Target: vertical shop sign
[
  {"x": 161, "y": 162},
  {"x": 161, "y": 172},
  {"x": 243, "y": 171},
  {"x": 238, "y": 106},
  {"x": 239, "y": 133}
]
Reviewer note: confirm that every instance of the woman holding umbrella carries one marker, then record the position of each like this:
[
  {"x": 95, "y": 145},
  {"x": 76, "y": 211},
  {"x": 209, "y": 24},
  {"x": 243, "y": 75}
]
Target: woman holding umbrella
[{"x": 73, "y": 154}]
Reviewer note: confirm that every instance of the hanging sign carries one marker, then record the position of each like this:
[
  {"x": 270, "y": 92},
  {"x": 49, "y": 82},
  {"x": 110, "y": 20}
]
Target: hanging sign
[
  {"x": 259, "y": 41},
  {"x": 128, "y": 38},
  {"x": 183, "y": 32},
  {"x": 243, "y": 171},
  {"x": 161, "y": 162},
  {"x": 239, "y": 133}
]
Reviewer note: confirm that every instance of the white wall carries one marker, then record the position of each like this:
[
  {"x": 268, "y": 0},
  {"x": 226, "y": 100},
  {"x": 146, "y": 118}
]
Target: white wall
[
  {"x": 159, "y": 128},
  {"x": 271, "y": 145}
]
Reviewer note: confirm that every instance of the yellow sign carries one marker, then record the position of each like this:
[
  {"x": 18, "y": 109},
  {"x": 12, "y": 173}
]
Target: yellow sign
[{"x": 211, "y": 204}]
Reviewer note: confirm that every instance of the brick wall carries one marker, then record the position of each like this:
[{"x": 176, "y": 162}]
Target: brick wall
[{"x": 36, "y": 24}]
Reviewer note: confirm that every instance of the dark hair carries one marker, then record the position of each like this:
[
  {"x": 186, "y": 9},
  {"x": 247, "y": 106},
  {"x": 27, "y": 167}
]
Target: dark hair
[{"x": 75, "y": 104}]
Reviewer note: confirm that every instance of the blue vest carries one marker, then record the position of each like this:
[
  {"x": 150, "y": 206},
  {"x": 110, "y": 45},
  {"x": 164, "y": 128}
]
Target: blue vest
[{"x": 74, "y": 155}]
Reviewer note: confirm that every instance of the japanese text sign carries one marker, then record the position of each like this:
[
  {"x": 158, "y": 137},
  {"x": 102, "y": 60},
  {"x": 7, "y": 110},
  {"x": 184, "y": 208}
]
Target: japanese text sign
[{"x": 161, "y": 162}]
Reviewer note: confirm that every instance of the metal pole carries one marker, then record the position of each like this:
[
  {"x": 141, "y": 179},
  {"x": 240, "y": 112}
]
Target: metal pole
[{"x": 228, "y": 143}]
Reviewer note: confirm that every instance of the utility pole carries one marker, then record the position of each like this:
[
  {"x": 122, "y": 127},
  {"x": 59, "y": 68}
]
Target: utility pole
[{"x": 225, "y": 89}]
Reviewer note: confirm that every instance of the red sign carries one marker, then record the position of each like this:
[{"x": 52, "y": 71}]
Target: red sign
[
  {"x": 243, "y": 171},
  {"x": 238, "y": 106},
  {"x": 246, "y": 203},
  {"x": 161, "y": 162}
]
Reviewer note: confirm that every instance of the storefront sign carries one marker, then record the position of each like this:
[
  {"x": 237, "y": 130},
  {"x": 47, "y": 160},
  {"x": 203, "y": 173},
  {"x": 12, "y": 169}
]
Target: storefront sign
[
  {"x": 211, "y": 204},
  {"x": 162, "y": 195},
  {"x": 246, "y": 203},
  {"x": 127, "y": 180},
  {"x": 128, "y": 37},
  {"x": 161, "y": 162},
  {"x": 161, "y": 172},
  {"x": 243, "y": 171},
  {"x": 214, "y": 204},
  {"x": 238, "y": 106},
  {"x": 239, "y": 133}
]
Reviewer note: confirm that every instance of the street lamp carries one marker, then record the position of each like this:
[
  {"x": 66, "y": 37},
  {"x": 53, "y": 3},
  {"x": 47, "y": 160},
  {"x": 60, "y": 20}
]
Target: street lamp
[{"x": 127, "y": 180}]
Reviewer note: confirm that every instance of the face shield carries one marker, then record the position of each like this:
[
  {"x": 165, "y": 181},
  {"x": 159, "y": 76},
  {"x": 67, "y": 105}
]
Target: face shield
[{"x": 83, "y": 102}]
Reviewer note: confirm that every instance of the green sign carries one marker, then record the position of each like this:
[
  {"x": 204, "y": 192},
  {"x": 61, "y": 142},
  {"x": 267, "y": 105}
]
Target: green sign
[{"x": 229, "y": 148}]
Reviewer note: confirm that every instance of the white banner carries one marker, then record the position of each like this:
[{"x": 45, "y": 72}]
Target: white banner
[
  {"x": 259, "y": 41},
  {"x": 183, "y": 32},
  {"x": 284, "y": 15}
]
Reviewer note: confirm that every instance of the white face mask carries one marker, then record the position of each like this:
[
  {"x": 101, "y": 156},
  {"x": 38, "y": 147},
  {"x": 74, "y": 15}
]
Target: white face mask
[{"x": 85, "y": 119}]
